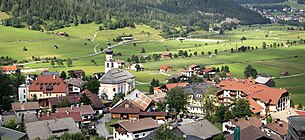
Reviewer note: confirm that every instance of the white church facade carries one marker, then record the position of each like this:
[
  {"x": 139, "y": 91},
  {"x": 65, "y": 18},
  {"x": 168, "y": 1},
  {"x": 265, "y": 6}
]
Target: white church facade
[{"x": 114, "y": 80}]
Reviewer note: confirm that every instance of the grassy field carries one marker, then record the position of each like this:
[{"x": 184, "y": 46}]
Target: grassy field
[{"x": 270, "y": 61}]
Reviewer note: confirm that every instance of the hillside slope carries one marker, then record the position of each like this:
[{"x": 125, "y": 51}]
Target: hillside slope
[{"x": 122, "y": 13}]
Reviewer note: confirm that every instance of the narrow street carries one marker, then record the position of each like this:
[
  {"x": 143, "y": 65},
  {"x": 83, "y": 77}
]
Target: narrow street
[{"x": 101, "y": 127}]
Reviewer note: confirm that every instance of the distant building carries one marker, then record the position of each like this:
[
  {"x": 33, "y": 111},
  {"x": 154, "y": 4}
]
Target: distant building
[
  {"x": 114, "y": 80},
  {"x": 134, "y": 67},
  {"x": 80, "y": 74},
  {"x": 188, "y": 73},
  {"x": 209, "y": 71},
  {"x": 165, "y": 68},
  {"x": 134, "y": 129},
  {"x": 265, "y": 81},
  {"x": 47, "y": 128},
  {"x": 201, "y": 130},
  {"x": 9, "y": 69},
  {"x": 296, "y": 128},
  {"x": 167, "y": 87}
]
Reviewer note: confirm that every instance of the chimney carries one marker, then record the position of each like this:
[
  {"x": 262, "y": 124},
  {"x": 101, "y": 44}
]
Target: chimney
[
  {"x": 48, "y": 113},
  {"x": 54, "y": 76},
  {"x": 236, "y": 119},
  {"x": 281, "y": 124},
  {"x": 82, "y": 104},
  {"x": 247, "y": 118},
  {"x": 71, "y": 108},
  {"x": 67, "y": 112},
  {"x": 201, "y": 124},
  {"x": 77, "y": 105}
]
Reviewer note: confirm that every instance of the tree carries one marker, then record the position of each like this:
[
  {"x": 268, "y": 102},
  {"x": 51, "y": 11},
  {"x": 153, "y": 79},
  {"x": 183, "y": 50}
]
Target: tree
[
  {"x": 208, "y": 100},
  {"x": 21, "y": 126},
  {"x": 164, "y": 133},
  {"x": 243, "y": 38},
  {"x": 219, "y": 137},
  {"x": 241, "y": 108},
  {"x": 69, "y": 62},
  {"x": 93, "y": 86},
  {"x": 5, "y": 91},
  {"x": 300, "y": 106},
  {"x": 117, "y": 97},
  {"x": 215, "y": 51},
  {"x": 63, "y": 75},
  {"x": 85, "y": 99},
  {"x": 221, "y": 110},
  {"x": 151, "y": 90},
  {"x": 143, "y": 50},
  {"x": 250, "y": 72},
  {"x": 63, "y": 102},
  {"x": 52, "y": 63},
  {"x": 161, "y": 106},
  {"x": 264, "y": 45},
  {"x": 25, "y": 49},
  {"x": 128, "y": 60},
  {"x": 177, "y": 100},
  {"x": 11, "y": 124}
]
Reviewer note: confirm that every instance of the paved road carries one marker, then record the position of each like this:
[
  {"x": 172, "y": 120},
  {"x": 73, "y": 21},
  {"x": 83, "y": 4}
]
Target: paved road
[{"x": 101, "y": 127}]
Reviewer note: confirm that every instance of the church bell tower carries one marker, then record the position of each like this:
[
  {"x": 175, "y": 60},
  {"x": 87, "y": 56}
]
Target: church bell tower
[{"x": 109, "y": 63}]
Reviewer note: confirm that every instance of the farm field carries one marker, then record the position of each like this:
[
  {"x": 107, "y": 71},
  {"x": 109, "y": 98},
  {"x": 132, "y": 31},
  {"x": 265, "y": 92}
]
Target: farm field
[{"x": 270, "y": 61}]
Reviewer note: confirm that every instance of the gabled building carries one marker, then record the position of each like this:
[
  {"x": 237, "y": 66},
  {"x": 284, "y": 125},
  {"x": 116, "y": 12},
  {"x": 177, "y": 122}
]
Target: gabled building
[
  {"x": 250, "y": 133},
  {"x": 196, "y": 92},
  {"x": 76, "y": 116},
  {"x": 75, "y": 85},
  {"x": 165, "y": 68},
  {"x": 86, "y": 111},
  {"x": 296, "y": 127},
  {"x": 9, "y": 69},
  {"x": 47, "y": 86},
  {"x": 47, "y": 128},
  {"x": 228, "y": 127},
  {"x": 27, "y": 107},
  {"x": 209, "y": 71},
  {"x": 80, "y": 74},
  {"x": 278, "y": 128},
  {"x": 134, "y": 129},
  {"x": 137, "y": 105},
  {"x": 265, "y": 81},
  {"x": 167, "y": 87},
  {"x": 201, "y": 130},
  {"x": 270, "y": 99}
]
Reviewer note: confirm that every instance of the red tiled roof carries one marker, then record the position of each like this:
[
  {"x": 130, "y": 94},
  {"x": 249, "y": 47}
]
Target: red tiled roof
[
  {"x": 254, "y": 106},
  {"x": 208, "y": 70},
  {"x": 75, "y": 115},
  {"x": 243, "y": 122},
  {"x": 58, "y": 85},
  {"x": 279, "y": 127},
  {"x": 125, "y": 110},
  {"x": 173, "y": 85},
  {"x": 96, "y": 103},
  {"x": 301, "y": 113},
  {"x": 255, "y": 91},
  {"x": 9, "y": 68},
  {"x": 165, "y": 67},
  {"x": 84, "y": 110}
]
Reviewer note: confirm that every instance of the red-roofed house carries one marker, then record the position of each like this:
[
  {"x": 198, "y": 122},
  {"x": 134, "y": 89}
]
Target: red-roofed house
[
  {"x": 165, "y": 68},
  {"x": 9, "y": 69},
  {"x": 270, "y": 99},
  {"x": 209, "y": 71},
  {"x": 47, "y": 86},
  {"x": 50, "y": 116},
  {"x": 168, "y": 87}
]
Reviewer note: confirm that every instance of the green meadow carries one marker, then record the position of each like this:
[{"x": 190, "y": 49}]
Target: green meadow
[{"x": 270, "y": 61}]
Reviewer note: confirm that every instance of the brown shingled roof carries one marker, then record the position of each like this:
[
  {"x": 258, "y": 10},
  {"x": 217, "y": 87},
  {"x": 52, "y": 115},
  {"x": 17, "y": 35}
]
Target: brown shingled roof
[
  {"x": 25, "y": 106},
  {"x": 125, "y": 110},
  {"x": 279, "y": 127},
  {"x": 139, "y": 125},
  {"x": 243, "y": 122}
]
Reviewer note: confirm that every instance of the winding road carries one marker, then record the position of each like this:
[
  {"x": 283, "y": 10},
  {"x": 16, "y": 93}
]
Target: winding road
[{"x": 101, "y": 127}]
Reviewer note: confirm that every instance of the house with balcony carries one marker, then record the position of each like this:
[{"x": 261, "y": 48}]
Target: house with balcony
[
  {"x": 263, "y": 99},
  {"x": 75, "y": 85},
  {"x": 86, "y": 111}
]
